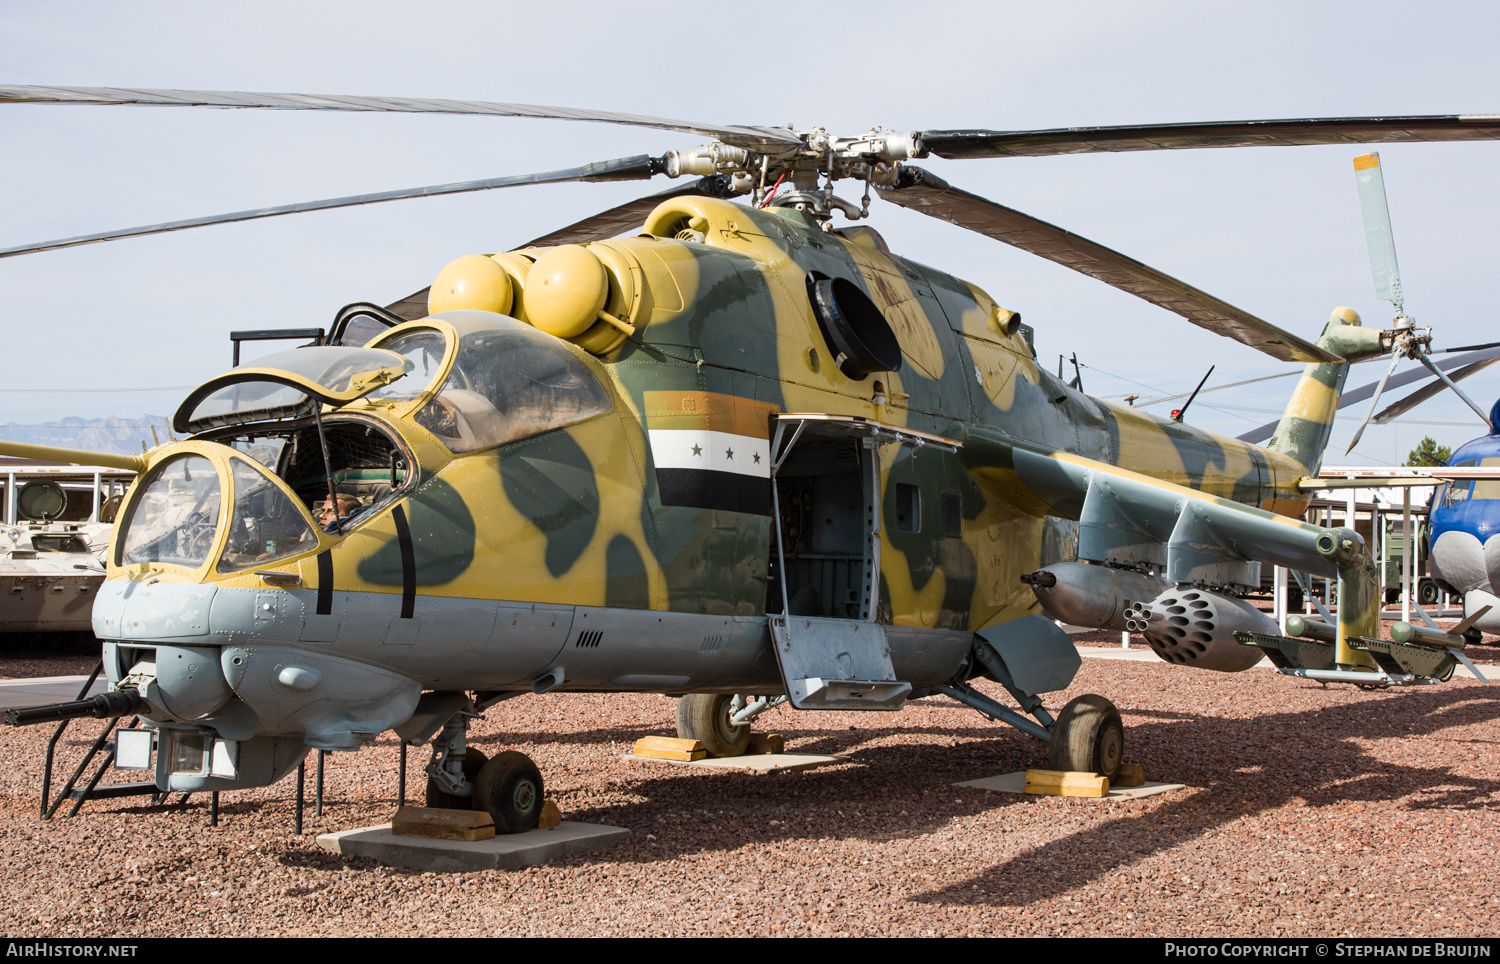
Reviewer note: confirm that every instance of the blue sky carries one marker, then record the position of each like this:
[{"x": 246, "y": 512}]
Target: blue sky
[{"x": 1274, "y": 230}]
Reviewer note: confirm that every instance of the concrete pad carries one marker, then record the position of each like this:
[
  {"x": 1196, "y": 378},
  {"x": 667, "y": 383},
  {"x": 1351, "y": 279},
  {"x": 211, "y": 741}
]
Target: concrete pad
[
  {"x": 1016, "y": 783},
  {"x": 501, "y": 852},
  {"x": 40, "y": 690},
  {"x": 750, "y": 762}
]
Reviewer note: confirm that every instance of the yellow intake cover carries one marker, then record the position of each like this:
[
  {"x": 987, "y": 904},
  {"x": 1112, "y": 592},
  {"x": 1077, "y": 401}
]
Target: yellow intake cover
[
  {"x": 565, "y": 291},
  {"x": 471, "y": 282}
]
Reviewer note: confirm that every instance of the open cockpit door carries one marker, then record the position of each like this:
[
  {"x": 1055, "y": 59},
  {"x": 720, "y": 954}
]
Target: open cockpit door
[
  {"x": 829, "y": 637},
  {"x": 288, "y": 384}
]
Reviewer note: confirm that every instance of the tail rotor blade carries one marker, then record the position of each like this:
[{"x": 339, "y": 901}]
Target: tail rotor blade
[
  {"x": 1382, "y": 242},
  {"x": 1397, "y": 409},
  {"x": 1483, "y": 416},
  {"x": 1374, "y": 399}
]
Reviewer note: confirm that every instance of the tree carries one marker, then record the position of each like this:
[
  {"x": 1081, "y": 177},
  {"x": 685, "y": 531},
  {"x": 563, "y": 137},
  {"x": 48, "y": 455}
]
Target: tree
[{"x": 1428, "y": 452}]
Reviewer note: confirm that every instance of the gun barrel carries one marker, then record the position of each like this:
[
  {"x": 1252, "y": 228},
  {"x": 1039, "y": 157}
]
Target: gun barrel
[{"x": 104, "y": 706}]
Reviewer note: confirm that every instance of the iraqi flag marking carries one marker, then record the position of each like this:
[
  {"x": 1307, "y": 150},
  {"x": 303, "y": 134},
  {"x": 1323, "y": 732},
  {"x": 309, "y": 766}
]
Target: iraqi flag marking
[{"x": 711, "y": 451}]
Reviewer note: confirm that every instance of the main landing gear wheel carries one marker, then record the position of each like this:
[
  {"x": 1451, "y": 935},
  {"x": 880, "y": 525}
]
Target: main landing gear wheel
[
  {"x": 705, "y": 717},
  {"x": 1088, "y": 736},
  {"x": 474, "y": 761},
  {"x": 510, "y": 789}
]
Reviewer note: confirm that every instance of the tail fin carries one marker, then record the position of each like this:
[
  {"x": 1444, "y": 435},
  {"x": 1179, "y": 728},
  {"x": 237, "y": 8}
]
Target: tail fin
[{"x": 1308, "y": 420}]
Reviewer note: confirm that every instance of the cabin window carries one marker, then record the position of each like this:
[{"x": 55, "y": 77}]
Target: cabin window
[
  {"x": 1487, "y": 488},
  {"x": 908, "y": 507},
  {"x": 951, "y": 510},
  {"x": 1455, "y": 493}
]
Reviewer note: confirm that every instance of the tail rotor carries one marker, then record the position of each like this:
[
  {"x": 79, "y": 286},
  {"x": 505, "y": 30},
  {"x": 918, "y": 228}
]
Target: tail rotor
[{"x": 1405, "y": 339}]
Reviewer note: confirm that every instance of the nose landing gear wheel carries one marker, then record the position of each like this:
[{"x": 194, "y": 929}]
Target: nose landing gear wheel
[
  {"x": 705, "y": 717},
  {"x": 509, "y": 787},
  {"x": 474, "y": 761},
  {"x": 1088, "y": 736}
]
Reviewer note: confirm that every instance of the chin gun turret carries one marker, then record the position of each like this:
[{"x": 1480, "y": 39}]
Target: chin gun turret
[{"x": 102, "y": 707}]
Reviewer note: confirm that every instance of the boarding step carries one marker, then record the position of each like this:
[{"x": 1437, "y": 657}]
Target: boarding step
[
  {"x": 836, "y": 664},
  {"x": 113, "y": 791}
]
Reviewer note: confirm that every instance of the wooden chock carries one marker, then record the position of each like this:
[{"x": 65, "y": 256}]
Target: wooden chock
[
  {"x": 443, "y": 824},
  {"x": 1066, "y": 783},
  {"x": 766, "y": 743},
  {"x": 669, "y": 748}
]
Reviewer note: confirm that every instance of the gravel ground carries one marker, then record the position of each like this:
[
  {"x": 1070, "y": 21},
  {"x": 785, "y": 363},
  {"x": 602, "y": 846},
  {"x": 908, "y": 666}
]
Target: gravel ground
[{"x": 1310, "y": 811}]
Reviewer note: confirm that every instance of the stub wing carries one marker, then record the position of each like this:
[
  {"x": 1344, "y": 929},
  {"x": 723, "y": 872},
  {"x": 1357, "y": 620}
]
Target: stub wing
[{"x": 1181, "y": 534}]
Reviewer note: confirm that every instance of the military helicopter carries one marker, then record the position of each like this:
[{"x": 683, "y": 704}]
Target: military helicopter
[{"x": 722, "y": 451}]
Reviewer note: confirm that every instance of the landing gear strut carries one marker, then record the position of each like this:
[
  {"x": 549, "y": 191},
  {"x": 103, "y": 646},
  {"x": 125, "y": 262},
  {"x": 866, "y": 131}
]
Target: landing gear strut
[{"x": 509, "y": 787}]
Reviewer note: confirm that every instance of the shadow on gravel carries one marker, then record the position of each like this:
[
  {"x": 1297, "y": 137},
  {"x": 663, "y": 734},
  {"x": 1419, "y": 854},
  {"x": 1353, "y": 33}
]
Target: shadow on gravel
[
  {"x": 1283, "y": 758},
  {"x": 700, "y": 812}
]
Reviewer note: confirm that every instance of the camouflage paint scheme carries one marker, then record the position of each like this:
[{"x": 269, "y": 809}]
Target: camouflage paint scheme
[
  {"x": 567, "y": 528},
  {"x": 572, "y": 517}
]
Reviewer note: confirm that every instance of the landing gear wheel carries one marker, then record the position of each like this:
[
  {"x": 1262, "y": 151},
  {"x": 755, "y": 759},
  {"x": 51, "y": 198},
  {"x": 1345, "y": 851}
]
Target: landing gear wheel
[
  {"x": 1088, "y": 736},
  {"x": 510, "y": 789},
  {"x": 705, "y": 717},
  {"x": 474, "y": 760}
]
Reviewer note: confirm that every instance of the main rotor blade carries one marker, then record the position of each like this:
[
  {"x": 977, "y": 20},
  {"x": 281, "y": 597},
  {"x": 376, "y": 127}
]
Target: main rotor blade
[
  {"x": 1356, "y": 395},
  {"x": 1379, "y": 238},
  {"x": 597, "y": 227},
  {"x": 923, "y": 191},
  {"x": 756, "y": 138},
  {"x": 638, "y": 168},
  {"x": 1397, "y": 409},
  {"x": 958, "y": 144}
]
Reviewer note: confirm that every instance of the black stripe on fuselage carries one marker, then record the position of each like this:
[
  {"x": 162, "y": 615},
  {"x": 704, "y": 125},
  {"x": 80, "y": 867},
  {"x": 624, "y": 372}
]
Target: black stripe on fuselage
[
  {"x": 408, "y": 563},
  {"x": 325, "y": 582},
  {"x": 706, "y": 489}
]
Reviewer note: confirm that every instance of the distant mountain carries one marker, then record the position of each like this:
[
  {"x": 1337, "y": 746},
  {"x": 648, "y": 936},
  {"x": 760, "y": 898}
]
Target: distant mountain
[{"x": 122, "y": 436}]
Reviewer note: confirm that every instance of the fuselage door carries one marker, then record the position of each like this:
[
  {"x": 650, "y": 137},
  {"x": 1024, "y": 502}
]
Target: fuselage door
[{"x": 829, "y": 638}]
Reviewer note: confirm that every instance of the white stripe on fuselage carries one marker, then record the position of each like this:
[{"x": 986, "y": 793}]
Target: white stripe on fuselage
[{"x": 674, "y": 448}]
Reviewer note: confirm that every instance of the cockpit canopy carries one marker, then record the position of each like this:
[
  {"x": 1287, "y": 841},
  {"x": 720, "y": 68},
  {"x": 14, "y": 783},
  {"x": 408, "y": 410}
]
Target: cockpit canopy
[
  {"x": 475, "y": 379},
  {"x": 504, "y": 381},
  {"x": 175, "y": 518},
  {"x": 288, "y": 384}
]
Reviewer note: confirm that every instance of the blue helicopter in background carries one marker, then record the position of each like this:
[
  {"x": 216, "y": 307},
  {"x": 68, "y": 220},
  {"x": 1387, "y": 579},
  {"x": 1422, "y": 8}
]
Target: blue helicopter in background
[{"x": 1463, "y": 551}]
